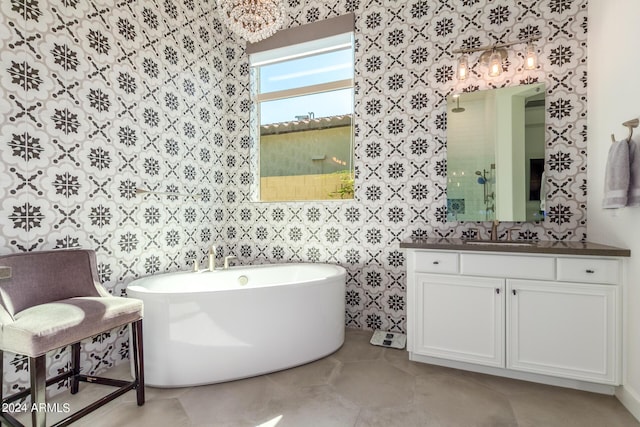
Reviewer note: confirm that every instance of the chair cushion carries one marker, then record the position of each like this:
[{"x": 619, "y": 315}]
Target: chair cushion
[{"x": 46, "y": 327}]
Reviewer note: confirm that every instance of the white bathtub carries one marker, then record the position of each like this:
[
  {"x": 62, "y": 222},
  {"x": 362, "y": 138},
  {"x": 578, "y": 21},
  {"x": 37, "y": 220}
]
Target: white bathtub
[{"x": 203, "y": 328}]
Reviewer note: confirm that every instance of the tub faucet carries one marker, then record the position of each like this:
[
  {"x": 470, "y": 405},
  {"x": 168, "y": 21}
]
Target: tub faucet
[
  {"x": 227, "y": 259},
  {"x": 212, "y": 258}
]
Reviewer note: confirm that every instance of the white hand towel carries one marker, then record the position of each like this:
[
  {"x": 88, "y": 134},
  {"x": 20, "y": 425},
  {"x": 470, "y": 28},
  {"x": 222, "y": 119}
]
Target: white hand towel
[
  {"x": 616, "y": 179},
  {"x": 633, "y": 197}
]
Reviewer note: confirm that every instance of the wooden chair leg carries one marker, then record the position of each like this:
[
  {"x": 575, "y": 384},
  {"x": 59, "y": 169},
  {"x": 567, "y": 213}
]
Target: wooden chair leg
[
  {"x": 75, "y": 367},
  {"x": 138, "y": 360},
  {"x": 38, "y": 374}
]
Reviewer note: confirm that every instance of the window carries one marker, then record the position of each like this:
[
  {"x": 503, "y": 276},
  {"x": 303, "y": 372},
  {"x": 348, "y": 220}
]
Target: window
[{"x": 304, "y": 97}]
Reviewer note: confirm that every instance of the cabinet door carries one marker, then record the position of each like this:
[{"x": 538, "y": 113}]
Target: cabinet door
[
  {"x": 563, "y": 329},
  {"x": 459, "y": 318}
]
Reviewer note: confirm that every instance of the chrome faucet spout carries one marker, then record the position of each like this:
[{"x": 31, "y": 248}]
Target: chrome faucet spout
[
  {"x": 494, "y": 230},
  {"x": 227, "y": 259}
]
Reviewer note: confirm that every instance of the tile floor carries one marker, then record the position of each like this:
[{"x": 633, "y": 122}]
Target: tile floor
[{"x": 359, "y": 385}]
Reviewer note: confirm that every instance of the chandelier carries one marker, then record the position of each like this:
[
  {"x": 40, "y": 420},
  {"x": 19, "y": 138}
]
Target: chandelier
[{"x": 253, "y": 20}]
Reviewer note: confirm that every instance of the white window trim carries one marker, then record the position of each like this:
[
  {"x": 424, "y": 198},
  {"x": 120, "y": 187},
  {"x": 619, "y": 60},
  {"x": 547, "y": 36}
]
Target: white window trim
[
  {"x": 305, "y": 90},
  {"x": 302, "y": 50}
]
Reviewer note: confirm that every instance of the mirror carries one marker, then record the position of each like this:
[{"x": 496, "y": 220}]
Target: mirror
[{"x": 495, "y": 154}]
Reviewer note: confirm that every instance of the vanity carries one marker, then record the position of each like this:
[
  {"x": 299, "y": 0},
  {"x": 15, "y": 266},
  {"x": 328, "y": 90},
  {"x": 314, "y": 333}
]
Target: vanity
[{"x": 545, "y": 311}]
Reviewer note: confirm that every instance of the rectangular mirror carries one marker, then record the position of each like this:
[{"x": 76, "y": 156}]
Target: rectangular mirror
[{"x": 495, "y": 154}]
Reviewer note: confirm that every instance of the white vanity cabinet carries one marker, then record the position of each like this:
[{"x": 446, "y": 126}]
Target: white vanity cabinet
[
  {"x": 460, "y": 318},
  {"x": 527, "y": 316},
  {"x": 563, "y": 329}
]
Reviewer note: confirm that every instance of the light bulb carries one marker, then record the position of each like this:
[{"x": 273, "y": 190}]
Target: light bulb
[
  {"x": 531, "y": 59},
  {"x": 495, "y": 64},
  {"x": 463, "y": 67}
]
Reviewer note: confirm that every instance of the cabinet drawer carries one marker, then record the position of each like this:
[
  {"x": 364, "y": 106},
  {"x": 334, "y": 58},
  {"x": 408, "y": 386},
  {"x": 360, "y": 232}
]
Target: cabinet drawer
[
  {"x": 588, "y": 270},
  {"x": 515, "y": 267},
  {"x": 436, "y": 262}
]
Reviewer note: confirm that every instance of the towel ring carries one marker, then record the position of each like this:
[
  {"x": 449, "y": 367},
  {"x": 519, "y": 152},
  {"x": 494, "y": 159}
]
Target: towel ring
[{"x": 631, "y": 124}]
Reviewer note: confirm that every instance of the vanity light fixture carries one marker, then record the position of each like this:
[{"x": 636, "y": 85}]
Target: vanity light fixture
[
  {"x": 494, "y": 56},
  {"x": 531, "y": 60},
  {"x": 463, "y": 67},
  {"x": 495, "y": 63}
]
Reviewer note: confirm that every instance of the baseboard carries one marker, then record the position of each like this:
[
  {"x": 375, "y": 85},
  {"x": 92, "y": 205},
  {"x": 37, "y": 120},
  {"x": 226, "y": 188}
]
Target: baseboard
[{"x": 630, "y": 399}]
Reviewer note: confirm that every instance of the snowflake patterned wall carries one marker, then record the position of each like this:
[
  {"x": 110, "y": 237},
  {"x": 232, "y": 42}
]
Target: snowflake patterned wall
[
  {"x": 404, "y": 71},
  {"x": 103, "y": 96}
]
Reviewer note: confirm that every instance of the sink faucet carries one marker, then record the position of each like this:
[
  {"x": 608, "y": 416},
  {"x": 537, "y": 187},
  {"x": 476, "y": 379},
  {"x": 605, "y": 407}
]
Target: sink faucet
[
  {"x": 227, "y": 259},
  {"x": 494, "y": 230}
]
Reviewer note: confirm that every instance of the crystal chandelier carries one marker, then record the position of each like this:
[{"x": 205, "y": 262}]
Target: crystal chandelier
[{"x": 253, "y": 20}]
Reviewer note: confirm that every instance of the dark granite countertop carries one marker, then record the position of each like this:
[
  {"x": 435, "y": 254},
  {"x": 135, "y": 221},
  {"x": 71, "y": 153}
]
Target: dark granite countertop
[{"x": 517, "y": 246}]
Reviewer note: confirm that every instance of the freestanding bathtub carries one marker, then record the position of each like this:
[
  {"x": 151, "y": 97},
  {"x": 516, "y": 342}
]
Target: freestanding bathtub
[{"x": 209, "y": 327}]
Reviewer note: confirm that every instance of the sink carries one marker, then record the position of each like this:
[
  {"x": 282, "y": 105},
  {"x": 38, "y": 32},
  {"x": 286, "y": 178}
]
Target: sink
[{"x": 500, "y": 242}]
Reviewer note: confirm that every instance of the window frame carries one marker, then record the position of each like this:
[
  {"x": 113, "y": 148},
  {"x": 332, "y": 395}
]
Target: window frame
[{"x": 330, "y": 86}]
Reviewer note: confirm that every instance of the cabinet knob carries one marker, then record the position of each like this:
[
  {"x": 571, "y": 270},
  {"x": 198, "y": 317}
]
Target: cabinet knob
[
  {"x": 514, "y": 291},
  {"x": 591, "y": 271},
  {"x": 436, "y": 262},
  {"x": 498, "y": 291}
]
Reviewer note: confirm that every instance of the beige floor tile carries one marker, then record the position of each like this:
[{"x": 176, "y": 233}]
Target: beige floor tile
[
  {"x": 317, "y": 406},
  {"x": 508, "y": 386},
  {"x": 397, "y": 416},
  {"x": 360, "y": 385},
  {"x": 400, "y": 359},
  {"x": 357, "y": 347},
  {"x": 237, "y": 401},
  {"x": 536, "y": 404},
  {"x": 154, "y": 413},
  {"x": 565, "y": 407},
  {"x": 314, "y": 373},
  {"x": 237, "y": 423},
  {"x": 374, "y": 383},
  {"x": 455, "y": 401}
]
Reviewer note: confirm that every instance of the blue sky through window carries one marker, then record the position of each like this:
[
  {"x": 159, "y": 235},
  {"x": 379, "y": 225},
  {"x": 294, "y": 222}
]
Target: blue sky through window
[
  {"x": 310, "y": 70},
  {"x": 324, "y": 104},
  {"x": 307, "y": 71}
]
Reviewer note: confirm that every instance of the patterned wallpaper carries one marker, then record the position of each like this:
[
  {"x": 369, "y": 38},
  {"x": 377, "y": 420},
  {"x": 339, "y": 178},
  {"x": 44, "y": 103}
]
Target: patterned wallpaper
[
  {"x": 102, "y": 96},
  {"x": 404, "y": 71}
]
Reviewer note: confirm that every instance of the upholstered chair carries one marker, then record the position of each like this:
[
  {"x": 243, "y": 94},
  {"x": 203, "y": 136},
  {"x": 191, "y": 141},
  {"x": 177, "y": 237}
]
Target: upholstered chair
[{"x": 54, "y": 299}]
